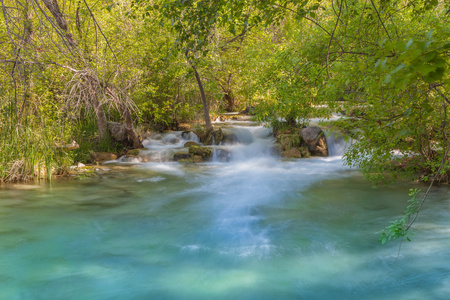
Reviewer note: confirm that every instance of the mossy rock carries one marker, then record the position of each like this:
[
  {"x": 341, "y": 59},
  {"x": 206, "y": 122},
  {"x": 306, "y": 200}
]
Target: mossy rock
[
  {"x": 181, "y": 156},
  {"x": 197, "y": 159},
  {"x": 305, "y": 152},
  {"x": 135, "y": 152},
  {"x": 192, "y": 159},
  {"x": 290, "y": 140},
  {"x": 208, "y": 137},
  {"x": 218, "y": 136},
  {"x": 190, "y": 143},
  {"x": 292, "y": 153},
  {"x": 205, "y": 136},
  {"x": 102, "y": 157},
  {"x": 204, "y": 152}
]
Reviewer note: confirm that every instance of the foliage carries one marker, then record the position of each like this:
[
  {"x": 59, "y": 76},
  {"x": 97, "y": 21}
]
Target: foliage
[{"x": 400, "y": 229}]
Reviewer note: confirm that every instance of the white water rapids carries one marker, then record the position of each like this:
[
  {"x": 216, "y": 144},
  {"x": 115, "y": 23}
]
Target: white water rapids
[{"x": 252, "y": 226}]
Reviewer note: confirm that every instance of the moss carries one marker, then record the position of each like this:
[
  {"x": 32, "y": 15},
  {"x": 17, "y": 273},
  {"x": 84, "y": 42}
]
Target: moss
[
  {"x": 292, "y": 153},
  {"x": 208, "y": 137},
  {"x": 204, "y": 152},
  {"x": 289, "y": 140},
  {"x": 198, "y": 159},
  {"x": 134, "y": 152},
  {"x": 190, "y": 143},
  {"x": 192, "y": 159},
  {"x": 181, "y": 156},
  {"x": 205, "y": 136},
  {"x": 304, "y": 151}
]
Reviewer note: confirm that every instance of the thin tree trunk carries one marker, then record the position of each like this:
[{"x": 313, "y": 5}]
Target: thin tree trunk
[
  {"x": 102, "y": 122},
  {"x": 130, "y": 128},
  {"x": 53, "y": 7},
  {"x": 208, "y": 124}
]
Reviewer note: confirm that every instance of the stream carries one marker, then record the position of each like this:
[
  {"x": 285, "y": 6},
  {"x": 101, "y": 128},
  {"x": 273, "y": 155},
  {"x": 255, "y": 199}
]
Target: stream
[{"x": 252, "y": 227}]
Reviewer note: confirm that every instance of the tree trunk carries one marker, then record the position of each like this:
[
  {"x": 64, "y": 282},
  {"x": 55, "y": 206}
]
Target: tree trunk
[
  {"x": 229, "y": 101},
  {"x": 208, "y": 124},
  {"x": 53, "y": 7},
  {"x": 102, "y": 122},
  {"x": 130, "y": 129}
]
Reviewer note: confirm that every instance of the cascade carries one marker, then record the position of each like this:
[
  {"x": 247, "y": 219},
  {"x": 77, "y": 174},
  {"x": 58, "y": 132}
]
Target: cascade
[
  {"x": 336, "y": 144},
  {"x": 249, "y": 142}
]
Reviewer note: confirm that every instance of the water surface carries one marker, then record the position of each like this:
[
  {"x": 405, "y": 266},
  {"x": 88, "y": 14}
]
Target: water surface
[{"x": 257, "y": 227}]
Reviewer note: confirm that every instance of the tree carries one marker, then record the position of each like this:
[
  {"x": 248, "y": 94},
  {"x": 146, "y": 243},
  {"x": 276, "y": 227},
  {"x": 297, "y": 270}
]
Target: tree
[{"x": 58, "y": 47}]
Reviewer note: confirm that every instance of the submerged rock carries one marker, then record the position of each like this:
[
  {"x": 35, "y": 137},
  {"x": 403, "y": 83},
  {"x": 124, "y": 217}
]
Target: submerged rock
[
  {"x": 228, "y": 137},
  {"x": 181, "y": 156},
  {"x": 223, "y": 155}
]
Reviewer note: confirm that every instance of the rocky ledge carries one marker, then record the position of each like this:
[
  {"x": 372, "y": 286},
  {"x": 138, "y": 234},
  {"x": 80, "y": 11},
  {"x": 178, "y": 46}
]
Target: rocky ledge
[{"x": 302, "y": 142}]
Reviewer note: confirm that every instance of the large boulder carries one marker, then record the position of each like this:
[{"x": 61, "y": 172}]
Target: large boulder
[
  {"x": 118, "y": 131},
  {"x": 315, "y": 140}
]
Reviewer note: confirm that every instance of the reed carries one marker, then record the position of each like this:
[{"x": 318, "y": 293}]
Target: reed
[{"x": 31, "y": 153}]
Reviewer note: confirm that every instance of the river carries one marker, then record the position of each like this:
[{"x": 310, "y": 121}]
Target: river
[{"x": 254, "y": 227}]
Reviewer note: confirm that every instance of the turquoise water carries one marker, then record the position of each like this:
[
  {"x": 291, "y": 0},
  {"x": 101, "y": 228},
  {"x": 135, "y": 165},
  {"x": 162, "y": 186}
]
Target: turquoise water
[{"x": 261, "y": 228}]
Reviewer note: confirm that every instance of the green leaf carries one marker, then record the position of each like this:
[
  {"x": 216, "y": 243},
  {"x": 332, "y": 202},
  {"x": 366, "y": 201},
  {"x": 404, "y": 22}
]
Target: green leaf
[
  {"x": 435, "y": 75},
  {"x": 399, "y": 67}
]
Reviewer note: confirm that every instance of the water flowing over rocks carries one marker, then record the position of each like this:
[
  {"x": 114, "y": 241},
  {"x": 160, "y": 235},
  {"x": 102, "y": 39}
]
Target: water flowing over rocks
[{"x": 229, "y": 143}]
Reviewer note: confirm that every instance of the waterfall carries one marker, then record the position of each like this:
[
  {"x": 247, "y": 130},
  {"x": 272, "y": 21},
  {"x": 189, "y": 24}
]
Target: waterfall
[
  {"x": 249, "y": 142},
  {"x": 242, "y": 143},
  {"x": 336, "y": 143}
]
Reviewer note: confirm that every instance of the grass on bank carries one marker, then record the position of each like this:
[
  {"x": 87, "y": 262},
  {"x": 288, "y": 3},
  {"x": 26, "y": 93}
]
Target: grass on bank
[
  {"x": 36, "y": 152},
  {"x": 31, "y": 154}
]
